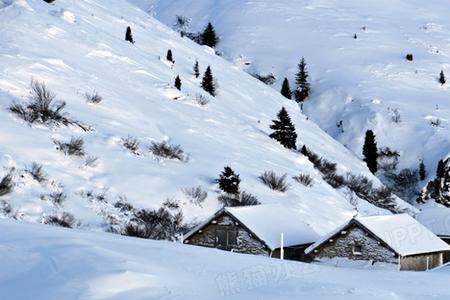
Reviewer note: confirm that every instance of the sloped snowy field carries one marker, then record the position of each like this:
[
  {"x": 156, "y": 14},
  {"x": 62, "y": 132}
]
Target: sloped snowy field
[
  {"x": 47, "y": 263},
  {"x": 357, "y": 81},
  {"x": 78, "y": 47}
]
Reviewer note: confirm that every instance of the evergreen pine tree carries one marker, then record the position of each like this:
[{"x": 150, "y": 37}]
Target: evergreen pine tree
[
  {"x": 209, "y": 37},
  {"x": 178, "y": 82},
  {"x": 169, "y": 55},
  {"x": 196, "y": 69},
  {"x": 208, "y": 82},
  {"x": 284, "y": 130},
  {"x": 301, "y": 79},
  {"x": 286, "y": 89},
  {"x": 440, "y": 171},
  {"x": 442, "y": 79},
  {"x": 229, "y": 181},
  {"x": 370, "y": 151},
  {"x": 129, "y": 36},
  {"x": 422, "y": 171}
]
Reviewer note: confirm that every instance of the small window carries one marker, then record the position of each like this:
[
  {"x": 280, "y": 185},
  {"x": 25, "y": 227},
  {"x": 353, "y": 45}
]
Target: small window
[
  {"x": 226, "y": 237},
  {"x": 357, "y": 249}
]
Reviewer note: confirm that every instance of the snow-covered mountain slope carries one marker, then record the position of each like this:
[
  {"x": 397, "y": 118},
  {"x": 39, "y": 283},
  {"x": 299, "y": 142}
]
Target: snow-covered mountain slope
[
  {"x": 47, "y": 263},
  {"x": 362, "y": 82},
  {"x": 78, "y": 47}
]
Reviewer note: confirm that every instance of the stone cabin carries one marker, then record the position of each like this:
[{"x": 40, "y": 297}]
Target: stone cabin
[
  {"x": 255, "y": 230},
  {"x": 392, "y": 239}
]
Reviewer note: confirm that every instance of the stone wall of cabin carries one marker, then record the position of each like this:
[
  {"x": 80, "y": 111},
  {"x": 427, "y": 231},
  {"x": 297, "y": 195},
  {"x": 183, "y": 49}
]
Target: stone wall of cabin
[
  {"x": 421, "y": 262},
  {"x": 246, "y": 243},
  {"x": 342, "y": 246}
]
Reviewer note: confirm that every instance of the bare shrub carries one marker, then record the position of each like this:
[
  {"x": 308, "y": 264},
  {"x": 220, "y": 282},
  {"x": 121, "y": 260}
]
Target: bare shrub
[
  {"x": 268, "y": 79},
  {"x": 388, "y": 159},
  {"x": 436, "y": 122},
  {"x": 274, "y": 182},
  {"x": 74, "y": 147},
  {"x": 171, "y": 204},
  {"x": 64, "y": 219},
  {"x": 168, "y": 151},
  {"x": 6, "y": 185},
  {"x": 242, "y": 199},
  {"x": 94, "y": 98},
  {"x": 6, "y": 208},
  {"x": 91, "y": 161},
  {"x": 35, "y": 170},
  {"x": 360, "y": 185},
  {"x": 304, "y": 179},
  {"x": 196, "y": 195},
  {"x": 132, "y": 144},
  {"x": 42, "y": 108},
  {"x": 327, "y": 168},
  {"x": 155, "y": 224},
  {"x": 395, "y": 115},
  {"x": 124, "y": 206},
  {"x": 201, "y": 100}
]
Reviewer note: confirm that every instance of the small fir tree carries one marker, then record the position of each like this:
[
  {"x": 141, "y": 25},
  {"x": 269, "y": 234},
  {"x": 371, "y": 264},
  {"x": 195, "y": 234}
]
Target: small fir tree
[
  {"x": 370, "y": 151},
  {"x": 208, "y": 82},
  {"x": 169, "y": 55},
  {"x": 422, "y": 171},
  {"x": 442, "y": 79},
  {"x": 209, "y": 37},
  {"x": 286, "y": 89},
  {"x": 284, "y": 130},
  {"x": 355, "y": 36},
  {"x": 196, "y": 69},
  {"x": 440, "y": 170},
  {"x": 129, "y": 35},
  {"x": 301, "y": 79},
  {"x": 229, "y": 181},
  {"x": 178, "y": 83},
  {"x": 409, "y": 57}
]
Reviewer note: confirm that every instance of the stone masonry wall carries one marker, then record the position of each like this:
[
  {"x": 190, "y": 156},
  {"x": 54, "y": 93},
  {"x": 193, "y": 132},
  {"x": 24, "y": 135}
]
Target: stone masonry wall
[
  {"x": 246, "y": 243},
  {"x": 342, "y": 246}
]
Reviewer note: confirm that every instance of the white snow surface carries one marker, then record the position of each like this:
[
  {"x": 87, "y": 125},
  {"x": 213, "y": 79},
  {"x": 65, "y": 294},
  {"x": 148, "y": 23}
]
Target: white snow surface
[
  {"x": 269, "y": 221},
  {"x": 359, "y": 81},
  {"x": 404, "y": 234},
  {"x": 78, "y": 47},
  {"x": 436, "y": 218},
  {"x": 48, "y": 263}
]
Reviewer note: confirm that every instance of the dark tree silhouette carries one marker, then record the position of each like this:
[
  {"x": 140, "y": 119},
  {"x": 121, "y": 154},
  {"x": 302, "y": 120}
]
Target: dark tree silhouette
[
  {"x": 440, "y": 170},
  {"x": 209, "y": 37},
  {"x": 208, "y": 82},
  {"x": 196, "y": 69},
  {"x": 178, "y": 82},
  {"x": 301, "y": 79},
  {"x": 286, "y": 89},
  {"x": 229, "y": 181},
  {"x": 370, "y": 151},
  {"x": 284, "y": 130},
  {"x": 442, "y": 79},
  {"x": 129, "y": 35},
  {"x": 422, "y": 171},
  {"x": 169, "y": 56}
]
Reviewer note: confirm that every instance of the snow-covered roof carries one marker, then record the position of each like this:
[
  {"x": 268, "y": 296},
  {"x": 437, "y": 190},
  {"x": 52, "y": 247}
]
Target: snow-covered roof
[
  {"x": 437, "y": 219},
  {"x": 267, "y": 222},
  {"x": 402, "y": 233}
]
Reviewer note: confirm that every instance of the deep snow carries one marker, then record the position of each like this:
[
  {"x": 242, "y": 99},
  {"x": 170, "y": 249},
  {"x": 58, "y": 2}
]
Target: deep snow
[
  {"x": 78, "y": 47},
  {"x": 360, "y": 82},
  {"x": 44, "y": 263}
]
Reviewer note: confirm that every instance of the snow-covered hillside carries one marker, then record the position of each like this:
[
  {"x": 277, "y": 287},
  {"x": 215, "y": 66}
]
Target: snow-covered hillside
[
  {"x": 78, "y": 47},
  {"x": 46, "y": 263},
  {"x": 364, "y": 82}
]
